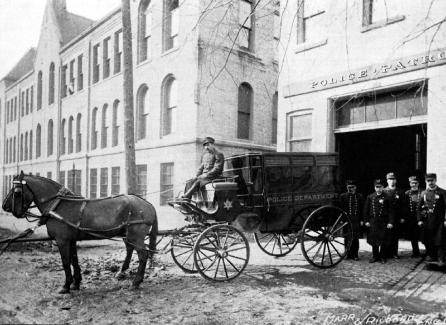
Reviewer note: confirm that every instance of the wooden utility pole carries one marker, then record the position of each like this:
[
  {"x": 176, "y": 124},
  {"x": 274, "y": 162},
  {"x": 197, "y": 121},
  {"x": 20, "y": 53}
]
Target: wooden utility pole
[{"x": 129, "y": 132}]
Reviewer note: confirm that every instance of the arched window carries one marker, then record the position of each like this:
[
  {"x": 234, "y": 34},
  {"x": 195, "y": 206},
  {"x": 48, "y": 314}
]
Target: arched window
[
  {"x": 51, "y": 84},
  {"x": 63, "y": 137},
  {"x": 94, "y": 131},
  {"x": 26, "y": 146},
  {"x": 171, "y": 20},
  {"x": 78, "y": 133},
  {"x": 70, "y": 134},
  {"x": 244, "y": 111},
  {"x": 115, "y": 124},
  {"x": 39, "y": 90},
  {"x": 274, "y": 118},
  {"x": 7, "y": 154},
  {"x": 38, "y": 140},
  {"x": 141, "y": 112},
  {"x": 169, "y": 100},
  {"x": 104, "y": 126},
  {"x": 50, "y": 139},
  {"x": 30, "y": 156},
  {"x": 144, "y": 30}
]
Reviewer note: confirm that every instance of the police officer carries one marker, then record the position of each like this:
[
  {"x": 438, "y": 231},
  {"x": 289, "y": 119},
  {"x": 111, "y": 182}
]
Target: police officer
[
  {"x": 432, "y": 215},
  {"x": 412, "y": 200},
  {"x": 378, "y": 218},
  {"x": 352, "y": 203},
  {"x": 396, "y": 197}
]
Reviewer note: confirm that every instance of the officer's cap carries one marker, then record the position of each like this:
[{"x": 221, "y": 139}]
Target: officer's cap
[
  {"x": 378, "y": 182},
  {"x": 413, "y": 179},
  {"x": 431, "y": 176},
  {"x": 208, "y": 140},
  {"x": 351, "y": 182},
  {"x": 390, "y": 176}
]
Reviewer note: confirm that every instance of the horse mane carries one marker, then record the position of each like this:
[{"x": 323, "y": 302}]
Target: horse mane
[{"x": 49, "y": 180}]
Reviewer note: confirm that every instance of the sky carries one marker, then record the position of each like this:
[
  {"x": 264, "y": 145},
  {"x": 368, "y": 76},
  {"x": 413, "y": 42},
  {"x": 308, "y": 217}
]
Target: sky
[{"x": 20, "y": 22}]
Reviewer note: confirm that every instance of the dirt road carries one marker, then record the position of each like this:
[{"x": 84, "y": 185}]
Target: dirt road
[{"x": 270, "y": 291}]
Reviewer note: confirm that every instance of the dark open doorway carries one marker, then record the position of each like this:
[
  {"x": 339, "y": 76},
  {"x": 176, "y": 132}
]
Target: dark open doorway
[{"x": 366, "y": 155}]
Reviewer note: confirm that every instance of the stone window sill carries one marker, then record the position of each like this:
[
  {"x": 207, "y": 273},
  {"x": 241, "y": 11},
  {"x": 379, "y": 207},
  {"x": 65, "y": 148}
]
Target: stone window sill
[
  {"x": 310, "y": 45},
  {"x": 383, "y": 23}
]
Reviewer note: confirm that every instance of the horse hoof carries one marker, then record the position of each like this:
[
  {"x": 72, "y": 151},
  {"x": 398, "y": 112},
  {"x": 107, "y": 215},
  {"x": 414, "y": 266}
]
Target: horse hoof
[
  {"x": 75, "y": 287},
  {"x": 64, "y": 290},
  {"x": 135, "y": 286}
]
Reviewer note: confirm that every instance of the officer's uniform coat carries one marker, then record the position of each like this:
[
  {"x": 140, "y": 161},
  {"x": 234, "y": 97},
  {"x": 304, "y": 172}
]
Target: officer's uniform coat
[
  {"x": 412, "y": 200},
  {"x": 378, "y": 213},
  {"x": 353, "y": 205},
  {"x": 211, "y": 166},
  {"x": 432, "y": 211}
]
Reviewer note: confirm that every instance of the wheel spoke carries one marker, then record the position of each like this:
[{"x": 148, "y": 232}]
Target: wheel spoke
[
  {"x": 274, "y": 245},
  {"x": 323, "y": 254},
  {"x": 224, "y": 267},
  {"x": 318, "y": 250},
  {"x": 237, "y": 257},
  {"x": 269, "y": 241},
  {"x": 185, "y": 252},
  {"x": 216, "y": 269},
  {"x": 235, "y": 268},
  {"x": 309, "y": 249},
  {"x": 329, "y": 254},
  {"x": 212, "y": 243},
  {"x": 207, "y": 256},
  {"x": 284, "y": 241},
  {"x": 234, "y": 249},
  {"x": 335, "y": 249},
  {"x": 336, "y": 222},
  {"x": 340, "y": 227},
  {"x": 338, "y": 242}
]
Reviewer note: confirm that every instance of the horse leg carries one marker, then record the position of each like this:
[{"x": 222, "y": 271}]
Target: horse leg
[
  {"x": 76, "y": 268},
  {"x": 128, "y": 258},
  {"x": 65, "y": 254},
  {"x": 143, "y": 255}
]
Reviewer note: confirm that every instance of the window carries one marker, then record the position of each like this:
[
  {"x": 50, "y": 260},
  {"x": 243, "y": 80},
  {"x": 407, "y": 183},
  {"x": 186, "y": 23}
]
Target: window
[
  {"x": 276, "y": 35},
  {"x": 171, "y": 21},
  {"x": 39, "y": 90},
  {"x": 78, "y": 133},
  {"x": 246, "y": 23},
  {"x": 15, "y": 108},
  {"x": 94, "y": 131},
  {"x": 375, "y": 11},
  {"x": 115, "y": 124},
  {"x": 141, "y": 112},
  {"x": 62, "y": 177},
  {"x": 106, "y": 58},
  {"x": 38, "y": 140},
  {"x": 50, "y": 138},
  {"x": 74, "y": 181},
  {"x": 7, "y": 112},
  {"x": 96, "y": 63},
  {"x": 115, "y": 186},
  {"x": 169, "y": 105},
  {"x": 51, "y": 84},
  {"x": 299, "y": 131},
  {"x": 406, "y": 102},
  {"x": 30, "y": 155},
  {"x": 80, "y": 74},
  {"x": 27, "y": 101},
  {"x": 104, "y": 127},
  {"x": 118, "y": 51},
  {"x": 93, "y": 183},
  {"x": 31, "y": 99},
  {"x": 72, "y": 79},
  {"x": 62, "y": 137},
  {"x": 103, "y": 190},
  {"x": 141, "y": 180},
  {"x": 166, "y": 183},
  {"x": 144, "y": 30},
  {"x": 244, "y": 111},
  {"x": 26, "y": 146},
  {"x": 49, "y": 175},
  {"x": 70, "y": 135},
  {"x": 64, "y": 81},
  {"x": 22, "y": 103},
  {"x": 311, "y": 24},
  {"x": 274, "y": 118},
  {"x": 14, "y": 150}
]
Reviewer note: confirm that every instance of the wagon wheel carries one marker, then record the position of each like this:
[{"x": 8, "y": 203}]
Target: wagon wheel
[
  {"x": 276, "y": 244},
  {"x": 221, "y": 253},
  {"x": 182, "y": 248},
  {"x": 326, "y": 236}
]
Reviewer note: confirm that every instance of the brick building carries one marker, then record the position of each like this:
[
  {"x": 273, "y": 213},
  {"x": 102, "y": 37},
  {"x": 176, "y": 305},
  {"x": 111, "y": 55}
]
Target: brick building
[
  {"x": 366, "y": 79},
  {"x": 199, "y": 69}
]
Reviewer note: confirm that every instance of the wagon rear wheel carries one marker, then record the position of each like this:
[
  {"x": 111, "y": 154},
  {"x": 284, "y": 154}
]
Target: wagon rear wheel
[
  {"x": 221, "y": 253},
  {"x": 326, "y": 236},
  {"x": 276, "y": 244}
]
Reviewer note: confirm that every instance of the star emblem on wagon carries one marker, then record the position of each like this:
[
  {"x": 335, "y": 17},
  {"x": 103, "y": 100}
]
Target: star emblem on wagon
[{"x": 227, "y": 204}]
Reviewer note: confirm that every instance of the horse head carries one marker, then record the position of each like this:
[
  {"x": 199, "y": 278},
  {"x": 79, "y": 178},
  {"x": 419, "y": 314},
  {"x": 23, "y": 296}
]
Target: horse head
[{"x": 27, "y": 189}]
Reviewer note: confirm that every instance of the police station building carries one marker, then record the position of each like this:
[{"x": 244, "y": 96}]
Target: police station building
[{"x": 367, "y": 80}]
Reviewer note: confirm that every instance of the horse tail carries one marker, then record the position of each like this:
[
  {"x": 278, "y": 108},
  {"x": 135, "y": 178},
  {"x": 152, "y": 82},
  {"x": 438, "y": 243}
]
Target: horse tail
[{"x": 153, "y": 236}]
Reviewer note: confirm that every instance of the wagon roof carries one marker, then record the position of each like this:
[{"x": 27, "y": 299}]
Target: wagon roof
[{"x": 281, "y": 154}]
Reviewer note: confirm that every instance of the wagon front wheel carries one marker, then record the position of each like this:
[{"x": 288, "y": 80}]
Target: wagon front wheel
[
  {"x": 182, "y": 250},
  {"x": 221, "y": 253},
  {"x": 326, "y": 236}
]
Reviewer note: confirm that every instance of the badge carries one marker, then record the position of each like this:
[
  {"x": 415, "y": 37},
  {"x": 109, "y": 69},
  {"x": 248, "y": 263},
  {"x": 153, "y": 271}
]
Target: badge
[
  {"x": 397, "y": 196},
  {"x": 381, "y": 201},
  {"x": 437, "y": 196},
  {"x": 430, "y": 210}
]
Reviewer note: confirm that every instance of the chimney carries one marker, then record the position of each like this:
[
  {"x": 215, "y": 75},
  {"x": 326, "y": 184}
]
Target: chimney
[{"x": 59, "y": 5}]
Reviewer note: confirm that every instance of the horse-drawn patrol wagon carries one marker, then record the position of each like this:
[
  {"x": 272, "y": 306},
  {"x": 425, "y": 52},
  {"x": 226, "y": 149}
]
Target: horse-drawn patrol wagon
[{"x": 283, "y": 198}]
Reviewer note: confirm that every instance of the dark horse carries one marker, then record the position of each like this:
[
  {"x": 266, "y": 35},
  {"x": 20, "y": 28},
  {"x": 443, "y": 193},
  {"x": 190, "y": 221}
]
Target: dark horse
[{"x": 70, "y": 218}]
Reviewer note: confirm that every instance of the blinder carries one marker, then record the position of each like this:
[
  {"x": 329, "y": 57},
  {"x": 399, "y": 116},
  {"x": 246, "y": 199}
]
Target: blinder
[{"x": 18, "y": 190}]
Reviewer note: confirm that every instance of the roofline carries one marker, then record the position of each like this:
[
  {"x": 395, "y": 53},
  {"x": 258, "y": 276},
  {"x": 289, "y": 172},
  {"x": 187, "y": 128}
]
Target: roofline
[
  {"x": 90, "y": 29},
  {"x": 19, "y": 80},
  {"x": 283, "y": 153},
  {"x": 32, "y": 70}
]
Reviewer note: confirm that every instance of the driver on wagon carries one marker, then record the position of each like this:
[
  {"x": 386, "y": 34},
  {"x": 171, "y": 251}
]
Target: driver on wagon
[{"x": 211, "y": 168}]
